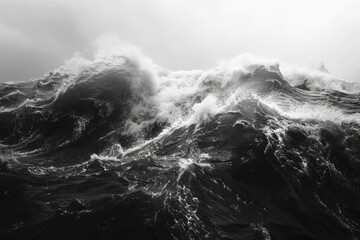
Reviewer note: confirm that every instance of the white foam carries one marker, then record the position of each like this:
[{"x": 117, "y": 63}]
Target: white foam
[
  {"x": 221, "y": 88},
  {"x": 205, "y": 110},
  {"x": 311, "y": 111},
  {"x": 103, "y": 157},
  {"x": 107, "y": 52},
  {"x": 192, "y": 97},
  {"x": 317, "y": 79}
]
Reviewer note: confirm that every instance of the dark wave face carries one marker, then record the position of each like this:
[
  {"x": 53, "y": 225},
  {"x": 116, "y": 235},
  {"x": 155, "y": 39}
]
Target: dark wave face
[{"x": 120, "y": 149}]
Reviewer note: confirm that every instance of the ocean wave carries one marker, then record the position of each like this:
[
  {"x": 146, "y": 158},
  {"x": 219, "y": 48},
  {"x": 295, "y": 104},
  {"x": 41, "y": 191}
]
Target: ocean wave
[{"x": 118, "y": 146}]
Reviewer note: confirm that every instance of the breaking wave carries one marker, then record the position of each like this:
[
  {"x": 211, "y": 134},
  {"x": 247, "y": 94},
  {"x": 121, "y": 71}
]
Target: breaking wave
[{"x": 114, "y": 146}]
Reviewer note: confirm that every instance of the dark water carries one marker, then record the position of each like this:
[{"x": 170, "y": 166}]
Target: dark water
[{"x": 110, "y": 153}]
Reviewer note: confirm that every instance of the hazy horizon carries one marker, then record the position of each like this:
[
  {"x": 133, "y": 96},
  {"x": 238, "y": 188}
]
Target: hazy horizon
[{"x": 37, "y": 36}]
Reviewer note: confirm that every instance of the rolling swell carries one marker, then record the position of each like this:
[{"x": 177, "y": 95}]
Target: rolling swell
[
  {"x": 71, "y": 123},
  {"x": 234, "y": 152}
]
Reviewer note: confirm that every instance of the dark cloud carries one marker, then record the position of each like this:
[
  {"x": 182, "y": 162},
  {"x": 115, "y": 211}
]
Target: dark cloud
[
  {"x": 19, "y": 64},
  {"x": 181, "y": 34},
  {"x": 36, "y": 38}
]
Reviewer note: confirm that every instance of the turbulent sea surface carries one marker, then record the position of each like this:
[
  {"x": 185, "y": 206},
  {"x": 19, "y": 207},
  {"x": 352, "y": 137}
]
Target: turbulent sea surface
[{"x": 116, "y": 147}]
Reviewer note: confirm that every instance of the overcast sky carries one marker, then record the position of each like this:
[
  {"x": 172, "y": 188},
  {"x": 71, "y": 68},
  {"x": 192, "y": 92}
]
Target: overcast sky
[{"x": 37, "y": 36}]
